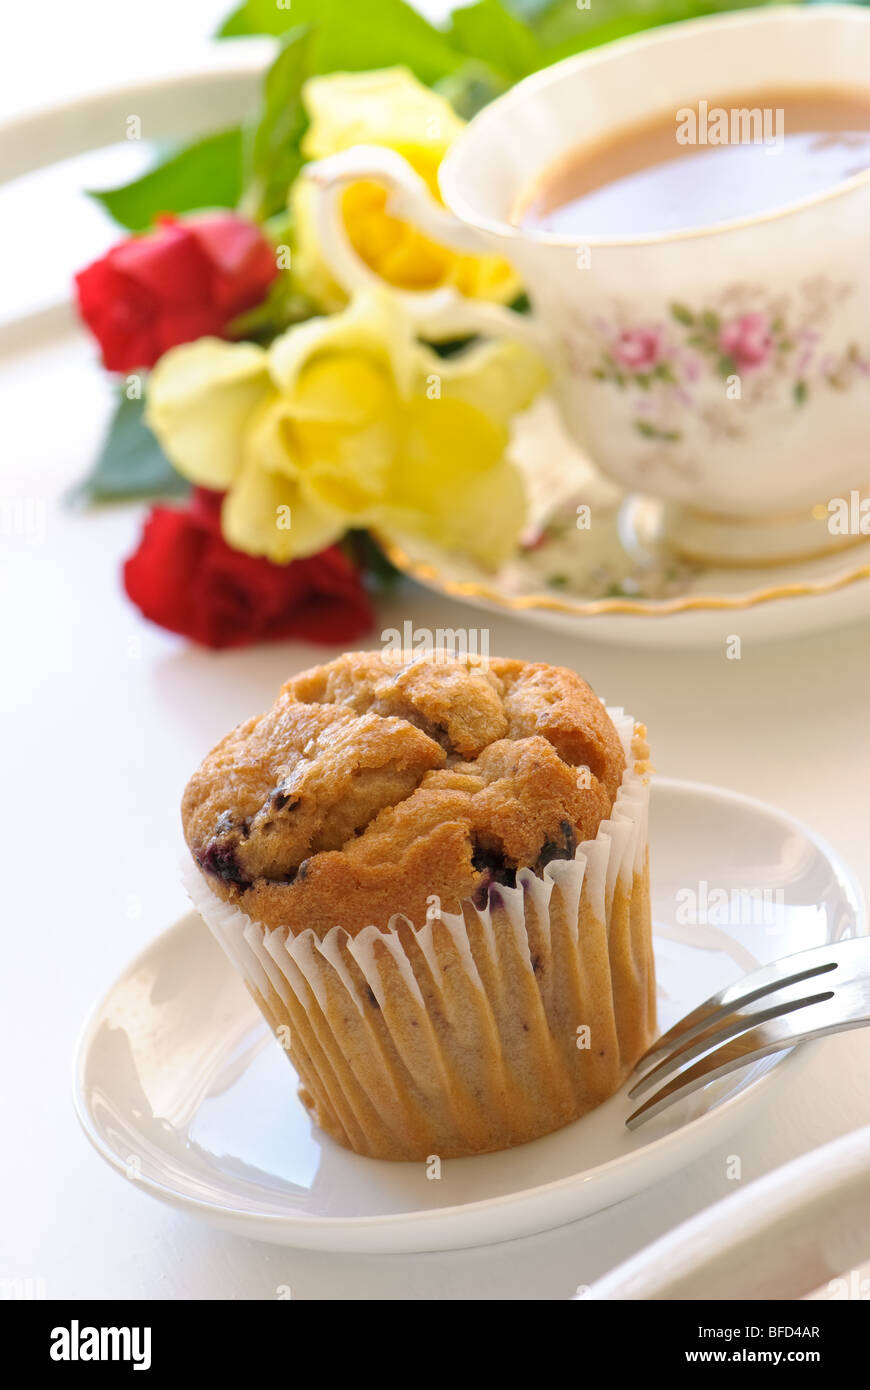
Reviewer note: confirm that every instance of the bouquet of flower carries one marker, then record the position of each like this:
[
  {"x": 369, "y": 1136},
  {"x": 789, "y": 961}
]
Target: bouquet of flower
[{"x": 299, "y": 422}]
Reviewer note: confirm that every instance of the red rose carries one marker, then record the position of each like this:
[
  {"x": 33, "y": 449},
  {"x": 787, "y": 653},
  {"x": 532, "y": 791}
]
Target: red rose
[
  {"x": 179, "y": 282},
  {"x": 186, "y": 578}
]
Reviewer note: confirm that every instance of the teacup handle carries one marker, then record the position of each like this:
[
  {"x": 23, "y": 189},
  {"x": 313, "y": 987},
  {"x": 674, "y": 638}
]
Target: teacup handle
[{"x": 438, "y": 314}]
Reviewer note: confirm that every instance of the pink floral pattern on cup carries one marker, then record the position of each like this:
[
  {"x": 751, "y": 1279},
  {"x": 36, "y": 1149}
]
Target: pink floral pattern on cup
[
  {"x": 756, "y": 348},
  {"x": 638, "y": 349},
  {"x": 749, "y": 340}
]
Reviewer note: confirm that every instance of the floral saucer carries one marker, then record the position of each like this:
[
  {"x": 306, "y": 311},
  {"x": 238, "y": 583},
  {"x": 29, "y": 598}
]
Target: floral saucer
[{"x": 593, "y": 561}]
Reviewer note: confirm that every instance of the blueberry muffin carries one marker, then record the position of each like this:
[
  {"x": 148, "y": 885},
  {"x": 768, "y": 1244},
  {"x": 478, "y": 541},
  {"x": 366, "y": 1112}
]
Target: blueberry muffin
[{"x": 433, "y": 878}]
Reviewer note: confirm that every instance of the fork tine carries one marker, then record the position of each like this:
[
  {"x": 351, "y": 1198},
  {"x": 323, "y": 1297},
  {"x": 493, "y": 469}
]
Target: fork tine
[
  {"x": 804, "y": 965},
  {"x": 733, "y": 1024},
  {"x": 829, "y": 1015}
]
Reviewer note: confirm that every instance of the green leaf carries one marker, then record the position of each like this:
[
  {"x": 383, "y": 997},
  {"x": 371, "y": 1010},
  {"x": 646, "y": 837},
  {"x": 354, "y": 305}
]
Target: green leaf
[
  {"x": 207, "y": 174},
  {"x": 563, "y": 27},
  {"x": 257, "y": 17},
  {"x": 529, "y": 10},
  {"x": 682, "y": 314},
  {"x": 471, "y": 87},
  {"x": 488, "y": 31},
  {"x": 273, "y": 156},
  {"x": 664, "y": 372},
  {"x": 131, "y": 462},
  {"x": 364, "y": 552},
  {"x": 354, "y": 35},
  {"x": 800, "y": 392},
  {"x": 285, "y": 304},
  {"x": 653, "y": 432}
]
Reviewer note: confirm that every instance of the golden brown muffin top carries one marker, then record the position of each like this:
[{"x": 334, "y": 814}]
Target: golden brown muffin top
[{"x": 374, "y": 782}]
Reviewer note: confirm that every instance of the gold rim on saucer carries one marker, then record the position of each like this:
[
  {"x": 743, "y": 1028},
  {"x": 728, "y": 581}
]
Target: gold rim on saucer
[{"x": 431, "y": 578}]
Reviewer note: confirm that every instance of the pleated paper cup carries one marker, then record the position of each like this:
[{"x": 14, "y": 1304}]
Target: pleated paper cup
[{"x": 476, "y": 1030}]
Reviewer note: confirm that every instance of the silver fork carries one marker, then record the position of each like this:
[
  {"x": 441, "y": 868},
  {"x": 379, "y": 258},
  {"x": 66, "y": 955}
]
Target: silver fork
[{"x": 825, "y": 990}]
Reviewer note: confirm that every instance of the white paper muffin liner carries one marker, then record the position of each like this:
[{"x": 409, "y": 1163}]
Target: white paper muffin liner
[{"x": 477, "y": 1030}]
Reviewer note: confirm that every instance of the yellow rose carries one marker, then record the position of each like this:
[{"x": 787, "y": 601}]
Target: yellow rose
[
  {"x": 349, "y": 421},
  {"x": 388, "y": 108}
]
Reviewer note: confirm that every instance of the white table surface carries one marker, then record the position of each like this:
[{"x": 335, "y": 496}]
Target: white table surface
[{"x": 104, "y": 717}]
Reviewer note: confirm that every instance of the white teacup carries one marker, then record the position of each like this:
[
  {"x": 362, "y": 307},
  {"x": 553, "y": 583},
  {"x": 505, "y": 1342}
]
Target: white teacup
[{"x": 746, "y": 466}]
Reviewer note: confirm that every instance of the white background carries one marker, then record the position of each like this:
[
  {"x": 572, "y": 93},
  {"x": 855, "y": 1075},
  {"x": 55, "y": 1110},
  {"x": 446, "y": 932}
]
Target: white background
[{"x": 103, "y": 719}]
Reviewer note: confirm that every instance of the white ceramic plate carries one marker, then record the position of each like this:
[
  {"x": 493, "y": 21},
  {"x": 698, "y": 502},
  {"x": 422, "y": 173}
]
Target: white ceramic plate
[{"x": 180, "y": 1086}]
